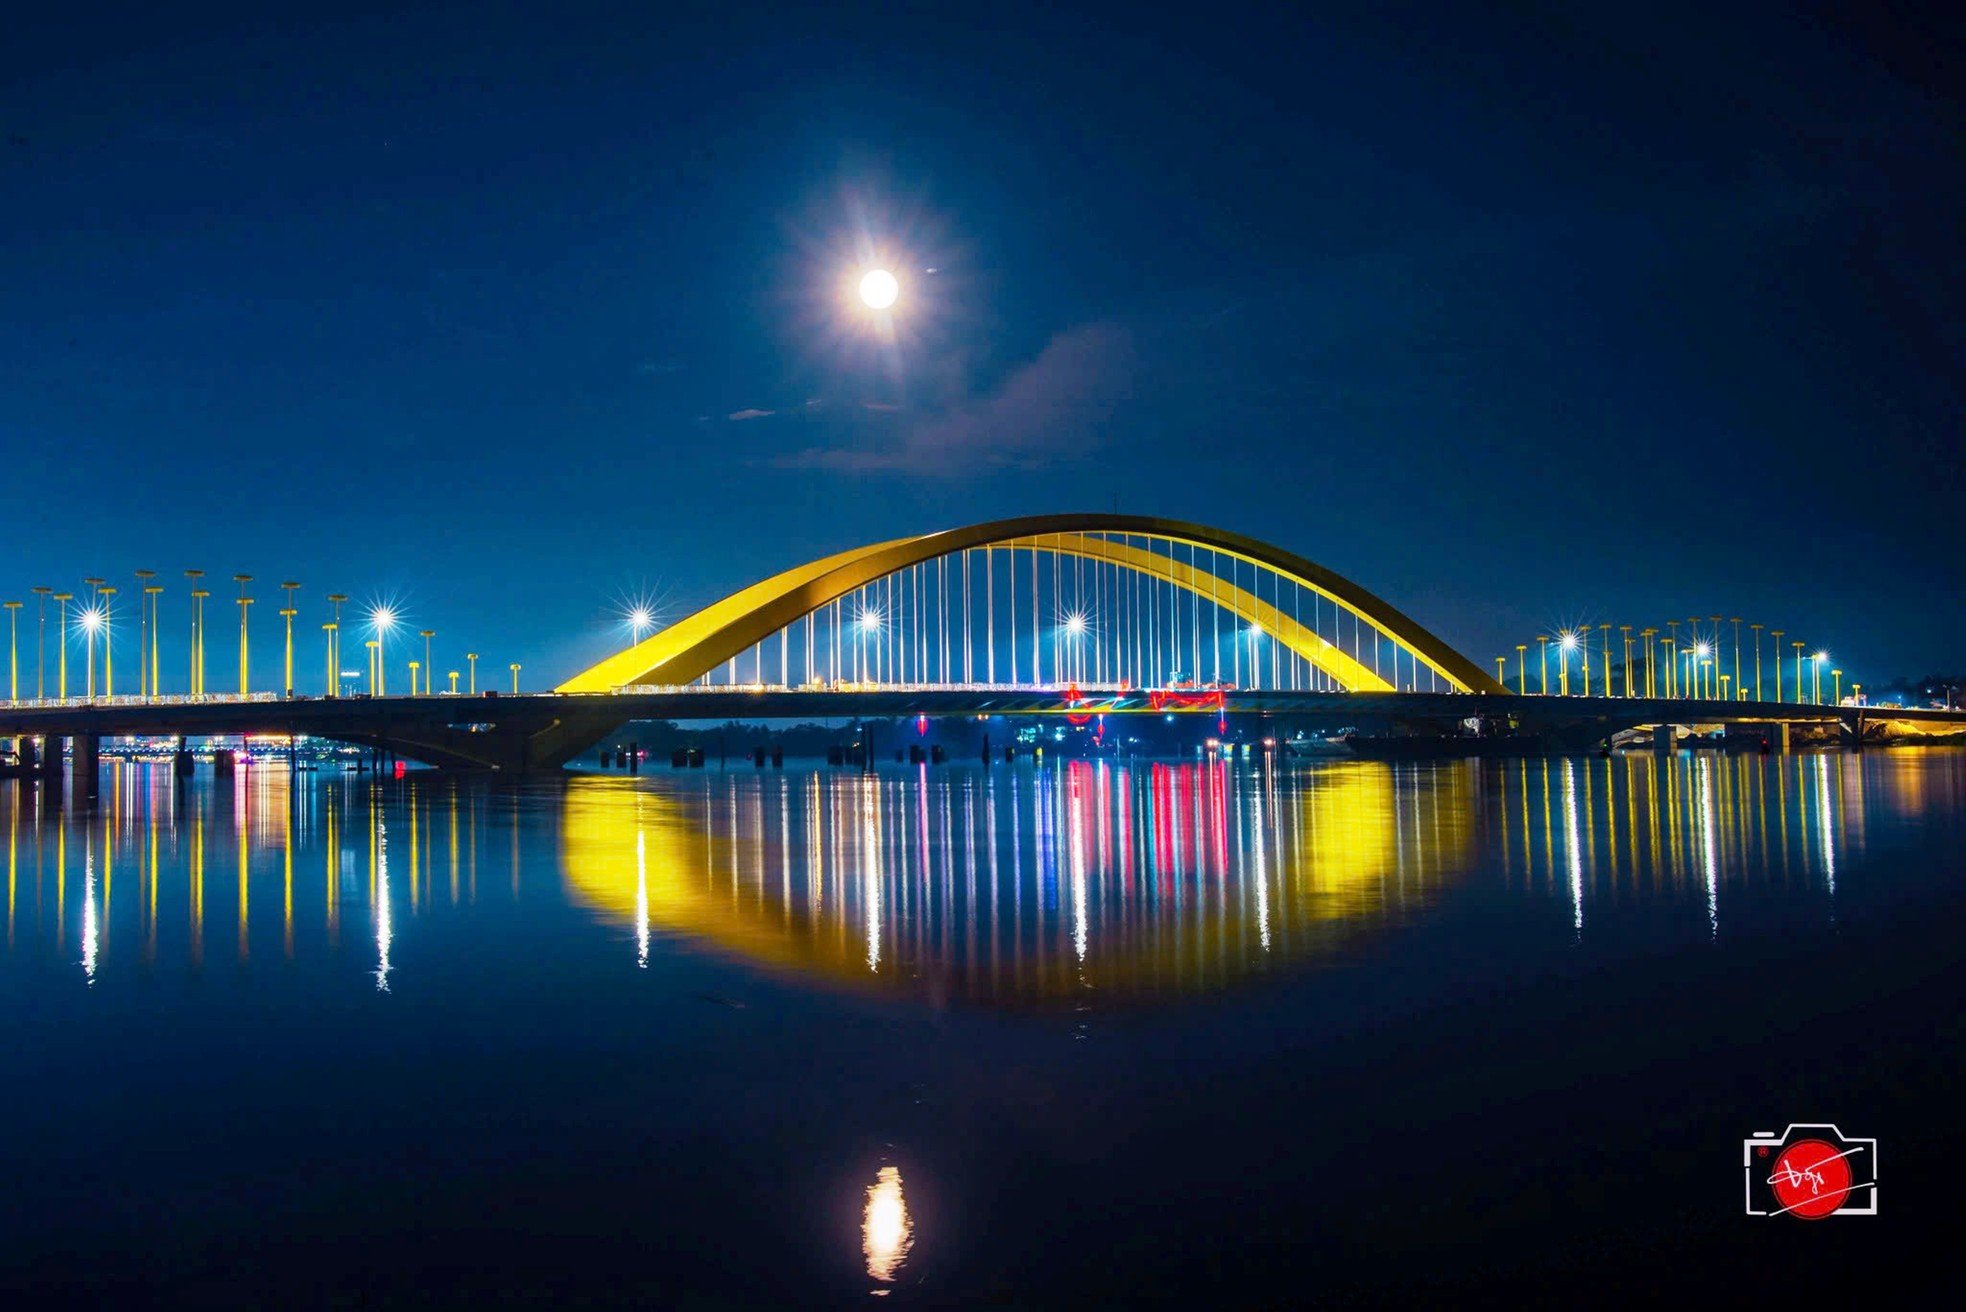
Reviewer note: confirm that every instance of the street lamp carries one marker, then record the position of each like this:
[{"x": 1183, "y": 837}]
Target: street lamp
[
  {"x": 155, "y": 593},
  {"x": 13, "y": 649},
  {"x": 1838, "y": 676},
  {"x": 1819, "y": 660},
  {"x": 61, "y": 644},
  {"x": 1543, "y": 650},
  {"x": 41, "y": 642},
  {"x": 426, "y": 635},
  {"x": 372, "y": 645},
  {"x": 1522, "y": 669},
  {"x": 91, "y": 620},
  {"x": 471, "y": 658},
  {"x": 1798, "y": 672},
  {"x": 414, "y": 667},
  {"x": 108, "y": 653},
  {"x": 143, "y": 577},
  {"x": 333, "y": 627},
  {"x": 514, "y": 667},
  {"x": 1777, "y": 635},
  {"x": 1651, "y": 661},
  {"x": 287, "y": 613},
  {"x": 381, "y": 620},
  {"x": 1757, "y": 660},
  {"x": 245, "y": 605},
  {"x": 1566, "y": 643},
  {"x": 1605, "y": 629},
  {"x": 640, "y": 620},
  {"x": 198, "y": 595},
  {"x": 1703, "y": 653},
  {"x": 453, "y": 679}
]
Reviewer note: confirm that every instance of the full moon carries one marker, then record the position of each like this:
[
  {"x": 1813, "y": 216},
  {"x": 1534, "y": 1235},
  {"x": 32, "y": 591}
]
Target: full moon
[{"x": 878, "y": 288}]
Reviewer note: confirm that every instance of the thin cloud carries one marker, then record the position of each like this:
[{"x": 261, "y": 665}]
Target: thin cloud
[
  {"x": 1055, "y": 409},
  {"x": 739, "y": 416}
]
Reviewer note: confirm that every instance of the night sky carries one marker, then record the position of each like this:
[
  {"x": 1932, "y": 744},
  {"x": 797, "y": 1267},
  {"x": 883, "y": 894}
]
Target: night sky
[{"x": 1521, "y": 320}]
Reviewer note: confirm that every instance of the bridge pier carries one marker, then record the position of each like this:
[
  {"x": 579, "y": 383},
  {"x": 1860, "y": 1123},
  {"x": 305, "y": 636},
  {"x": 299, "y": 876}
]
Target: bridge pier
[{"x": 85, "y": 763}]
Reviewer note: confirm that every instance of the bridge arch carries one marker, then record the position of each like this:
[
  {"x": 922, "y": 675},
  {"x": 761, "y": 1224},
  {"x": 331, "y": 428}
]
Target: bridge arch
[{"x": 704, "y": 641}]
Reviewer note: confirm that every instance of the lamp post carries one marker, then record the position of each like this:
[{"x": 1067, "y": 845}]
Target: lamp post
[
  {"x": 61, "y": 644},
  {"x": 154, "y": 592},
  {"x": 426, "y": 635},
  {"x": 1757, "y": 660},
  {"x": 1798, "y": 672},
  {"x": 13, "y": 649},
  {"x": 514, "y": 667},
  {"x": 414, "y": 667},
  {"x": 143, "y": 631},
  {"x": 471, "y": 659},
  {"x": 1672, "y": 665},
  {"x": 1604, "y": 634},
  {"x": 333, "y": 626},
  {"x": 1651, "y": 682},
  {"x": 1543, "y": 650},
  {"x": 1816, "y": 663},
  {"x": 381, "y": 619},
  {"x": 245, "y": 605},
  {"x": 91, "y": 621},
  {"x": 1522, "y": 669},
  {"x": 1565, "y": 644},
  {"x": 1736, "y": 622},
  {"x": 1501, "y": 667},
  {"x": 1777, "y": 635},
  {"x": 1838, "y": 676},
  {"x": 371, "y": 644},
  {"x": 198, "y": 595},
  {"x": 108, "y": 652},
  {"x": 1857, "y": 693},
  {"x": 41, "y": 642},
  {"x": 287, "y": 613},
  {"x": 453, "y": 679}
]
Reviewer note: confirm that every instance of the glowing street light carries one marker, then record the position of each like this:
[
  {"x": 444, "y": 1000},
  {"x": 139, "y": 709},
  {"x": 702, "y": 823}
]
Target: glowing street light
[
  {"x": 471, "y": 659},
  {"x": 1838, "y": 676},
  {"x": 453, "y": 679},
  {"x": 1565, "y": 644},
  {"x": 1819, "y": 660},
  {"x": 1702, "y": 652},
  {"x": 640, "y": 620},
  {"x": 91, "y": 622},
  {"x": 514, "y": 667},
  {"x": 1522, "y": 669},
  {"x": 381, "y": 620}
]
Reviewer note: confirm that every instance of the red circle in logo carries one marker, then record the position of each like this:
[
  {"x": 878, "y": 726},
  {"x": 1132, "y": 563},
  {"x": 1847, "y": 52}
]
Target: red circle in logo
[{"x": 1811, "y": 1179}]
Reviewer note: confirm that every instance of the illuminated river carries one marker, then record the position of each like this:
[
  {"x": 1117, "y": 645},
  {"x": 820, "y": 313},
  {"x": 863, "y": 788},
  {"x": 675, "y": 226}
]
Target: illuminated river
[{"x": 1054, "y": 1034}]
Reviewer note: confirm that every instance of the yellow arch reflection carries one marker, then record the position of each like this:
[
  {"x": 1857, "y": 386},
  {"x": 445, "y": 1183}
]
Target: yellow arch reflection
[{"x": 1037, "y": 886}]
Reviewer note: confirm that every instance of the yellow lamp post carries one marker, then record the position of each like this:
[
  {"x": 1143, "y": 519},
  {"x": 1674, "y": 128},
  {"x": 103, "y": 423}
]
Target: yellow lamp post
[
  {"x": 61, "y": 644},
  {"x": 1798, "y": 672},
  {"x": 371, "y": 644},
  {"x": 198, "y": 595},
  {"x": 108, "y": 652},
  {"x": 245, "y": 605},
  {"x": 1757, "y": 660},
  {"x": 1625, "y": 633},
  {"x": 414, "y": 667},
  {"x": 514, "y": 667},
  {"x": 1604, "y": 633},
  {"x": 1543, "y": 650},
  {"x": 1838, "y": 676},
  {"x": 143, "y": 577},
  {"x": 381, "y": 620},
  {"x": 287, "y": 613},
  {"x": 1651, "y": 663},
  {"x": 41, "y": 642},
  {"x": 13, "y": 649},
  {"x": 333, "y": 626},
  {"x": 155, "y": 593},
  {"x": 1501, "y": 662},
  {"x": 91, "y": 621},
  {"x": 426, "y": 635},
  {"x": 1736, "y": 622},
  {"x": 1776, "y": 634},
  {"x": 471, "y": 659},
  {"x": 1857, "y": 693},
  {"x": 1817, "y": 662},
  {"x": 1672, "y": 666},
  {"x": 453, "y": 679},
  {"x": 1565, "y": 644}
]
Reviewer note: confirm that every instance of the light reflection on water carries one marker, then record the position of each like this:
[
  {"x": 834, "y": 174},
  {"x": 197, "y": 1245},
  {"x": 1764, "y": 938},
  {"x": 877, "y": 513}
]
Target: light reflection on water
[{"x": 1013, "y": 885}]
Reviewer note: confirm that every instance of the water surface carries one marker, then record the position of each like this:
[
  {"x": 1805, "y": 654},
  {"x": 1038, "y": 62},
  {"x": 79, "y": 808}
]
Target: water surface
[{"x": 1043, "y": 1035}]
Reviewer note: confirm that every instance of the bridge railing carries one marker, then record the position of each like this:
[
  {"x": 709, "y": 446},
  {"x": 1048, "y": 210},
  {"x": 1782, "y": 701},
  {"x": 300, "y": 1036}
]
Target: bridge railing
[
  {"x": 844, "y": 685},
  {"x": 140, "y": 699}
]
